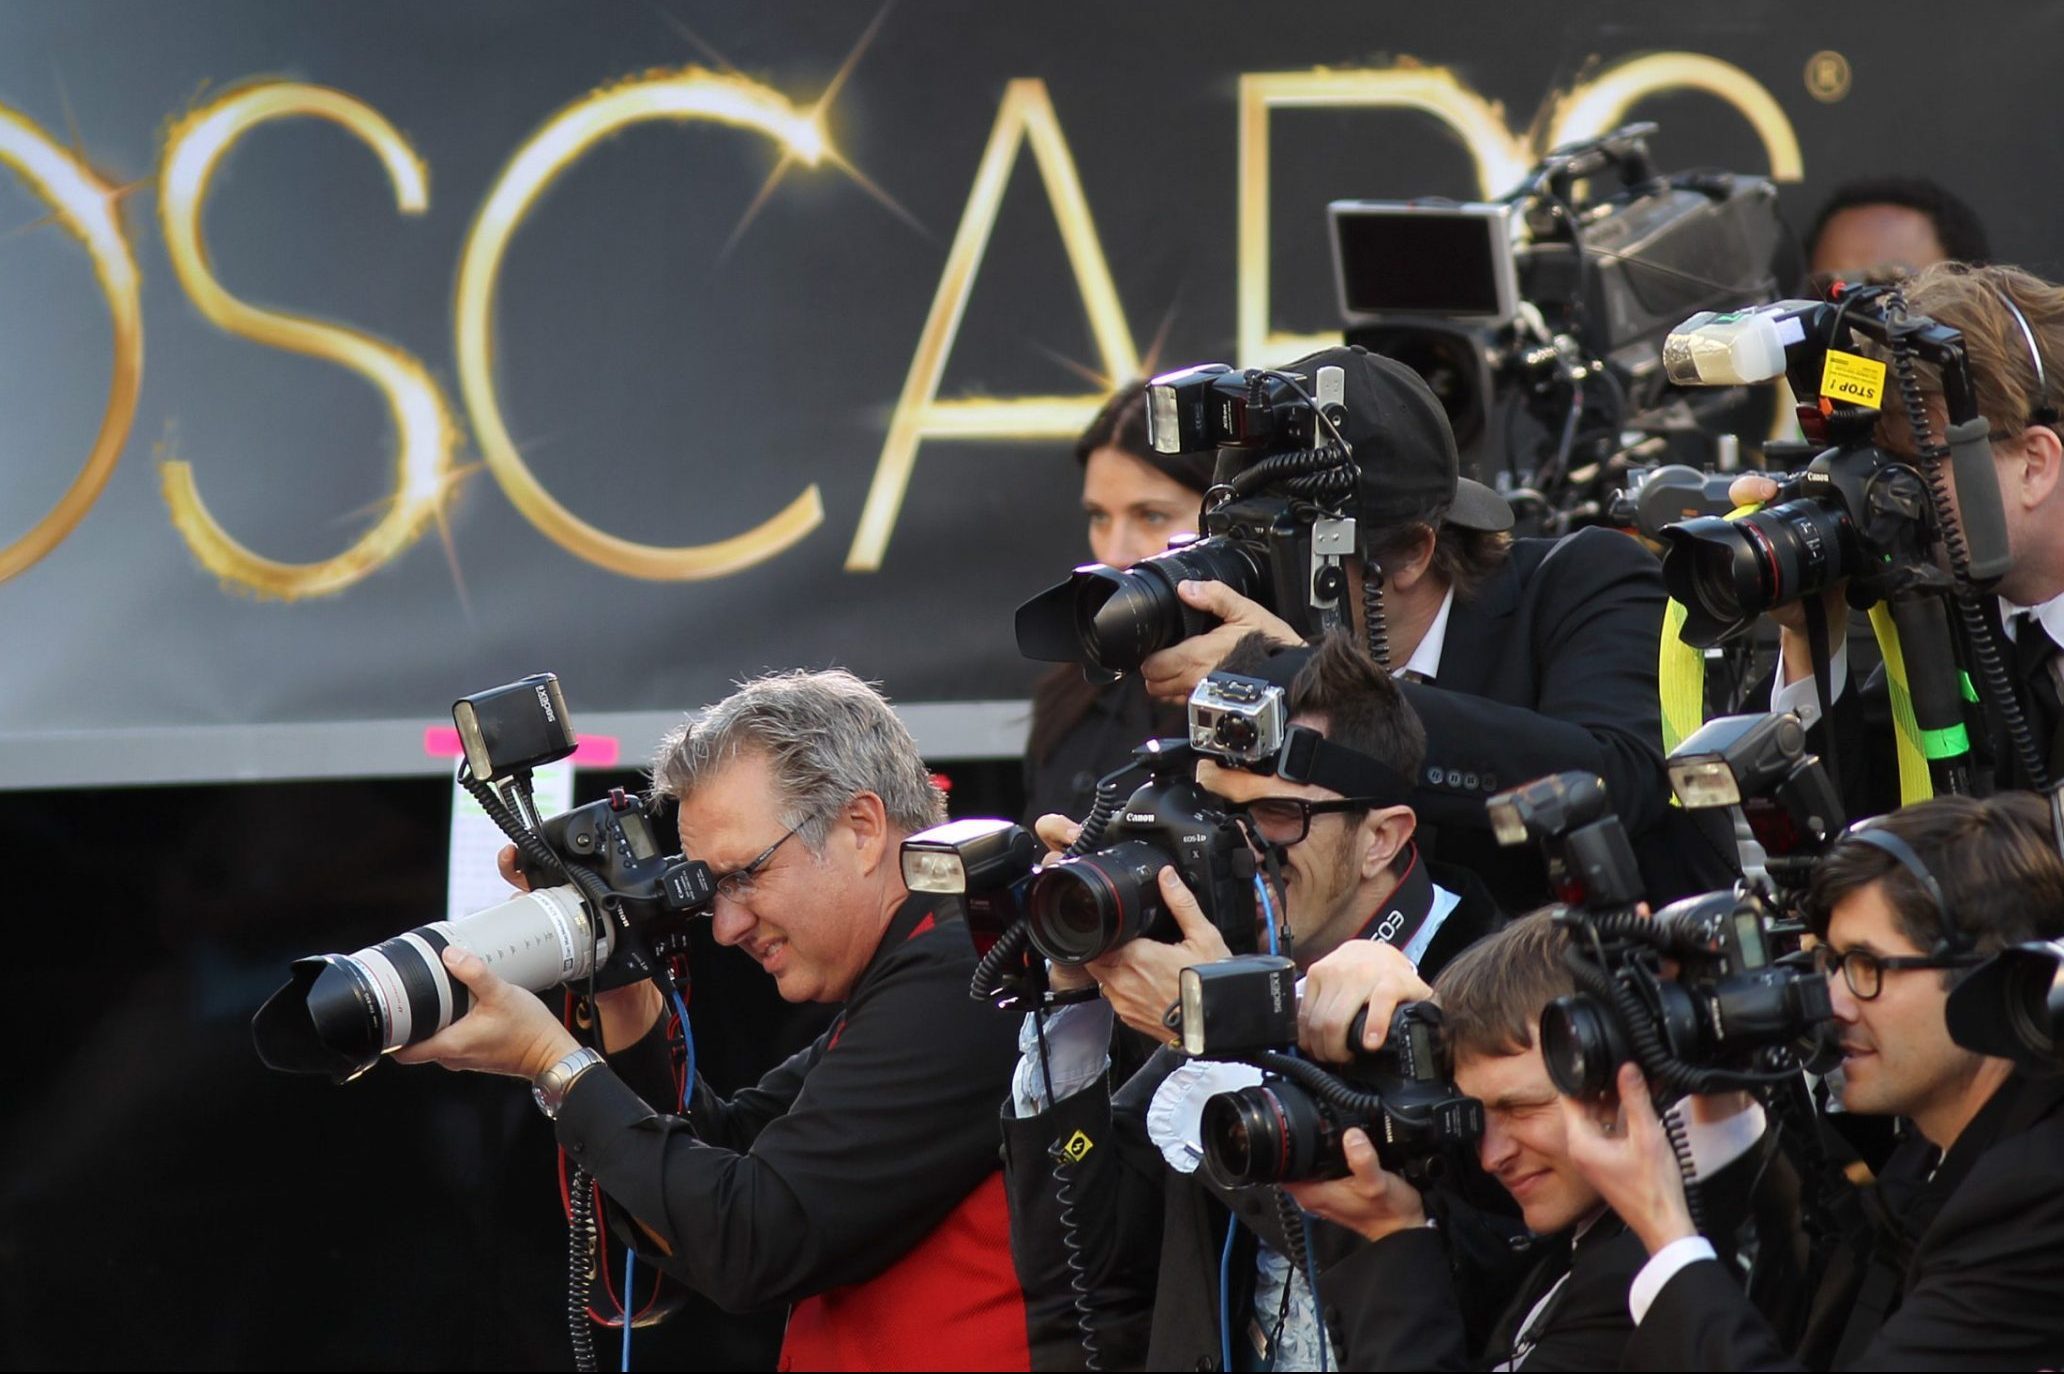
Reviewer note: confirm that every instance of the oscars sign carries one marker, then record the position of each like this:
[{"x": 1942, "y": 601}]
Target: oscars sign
[{"x": 429, "y": 433}]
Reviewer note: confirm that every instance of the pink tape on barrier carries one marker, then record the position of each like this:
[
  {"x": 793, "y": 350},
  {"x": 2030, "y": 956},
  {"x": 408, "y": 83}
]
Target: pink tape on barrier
[{"x": 594, "y": 751}]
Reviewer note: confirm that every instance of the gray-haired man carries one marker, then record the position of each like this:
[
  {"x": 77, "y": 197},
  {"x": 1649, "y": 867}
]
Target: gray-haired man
[{"x": 859, "y": 1180}]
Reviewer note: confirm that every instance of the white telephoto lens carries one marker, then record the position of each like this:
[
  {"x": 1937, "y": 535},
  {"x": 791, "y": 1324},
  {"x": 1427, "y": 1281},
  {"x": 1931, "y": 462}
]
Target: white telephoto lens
[{"x": 537, "y": 940}]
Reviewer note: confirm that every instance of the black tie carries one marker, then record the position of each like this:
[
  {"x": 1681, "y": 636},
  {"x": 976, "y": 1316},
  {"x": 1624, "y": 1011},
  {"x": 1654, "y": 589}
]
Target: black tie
[{"x": 2035, "y": 656}]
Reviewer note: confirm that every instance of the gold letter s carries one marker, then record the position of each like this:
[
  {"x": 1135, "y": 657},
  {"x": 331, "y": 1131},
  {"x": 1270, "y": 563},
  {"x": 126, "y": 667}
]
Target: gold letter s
[
  {"x": 686, "y": 94},
  {"x": 86, "y": 208},
  {"x": 425, "y": 433}
]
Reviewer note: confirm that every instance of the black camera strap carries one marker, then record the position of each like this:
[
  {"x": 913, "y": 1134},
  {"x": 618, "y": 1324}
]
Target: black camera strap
[
  {"x": 1309, "y": 757},
  {"x": 1823, "y": 683}
]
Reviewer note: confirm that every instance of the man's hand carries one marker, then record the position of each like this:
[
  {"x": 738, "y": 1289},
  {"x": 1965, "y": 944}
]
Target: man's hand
[
  {"x": 1621, "y": 1150},
  {"x": 508, "y": 1031},
  {"x": 1371, "y": 1201},
  {"x": 1172, "y": 673},
  {"x": 1360, "y": 974},
  {"x": 1057, "y": 832},
  {"x": 512, "y": 873},
  {"x": 1142, "y": 979}
]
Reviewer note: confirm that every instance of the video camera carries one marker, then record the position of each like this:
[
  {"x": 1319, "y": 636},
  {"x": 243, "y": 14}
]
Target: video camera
[
  {"x": 1278, "y": 521},
  {"x": 1289, "y": 1127},
  {"x": 1541, "y": 312},
  {"x": 606, "y": 907}
]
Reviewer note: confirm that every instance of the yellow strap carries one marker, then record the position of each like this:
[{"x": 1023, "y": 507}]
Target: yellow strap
[
  {"x": 1680, "y": 680},
  {"x": 1681, "y": 671},
  {"x": 1915, "y": 784}
]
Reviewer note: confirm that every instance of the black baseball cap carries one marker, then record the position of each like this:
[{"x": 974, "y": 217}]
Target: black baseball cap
[{"x": 1402, "y": 442}]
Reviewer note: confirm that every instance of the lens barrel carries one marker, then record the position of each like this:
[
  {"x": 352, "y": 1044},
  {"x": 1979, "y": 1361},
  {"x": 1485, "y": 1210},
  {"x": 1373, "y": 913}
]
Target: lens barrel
[
  {"x": 1582, "y": 1045},
  {"x": 1114, "y": 619},
  {"x": 341, "y": 1012},
  {"x": 1728, "y": 572},
  {"x": 1080, "y": 908},
  {"x": 1273, "y": 1132}
]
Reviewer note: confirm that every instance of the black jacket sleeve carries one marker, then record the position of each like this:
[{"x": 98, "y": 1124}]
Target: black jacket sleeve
[
  {"x": 1981, "y": 1293},
  {"x": 1089, "y": 1226},
  {"x": 1391, "y": 1305},
  {"x": 1596, "y": 605},
  {"x": 647, "y": 1069},
  {"x": 855, "y": 1149}
]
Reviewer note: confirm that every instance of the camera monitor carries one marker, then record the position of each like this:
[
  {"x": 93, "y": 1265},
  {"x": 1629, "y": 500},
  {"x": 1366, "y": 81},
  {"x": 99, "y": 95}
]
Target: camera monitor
[{"x": 1395, "y": 257}]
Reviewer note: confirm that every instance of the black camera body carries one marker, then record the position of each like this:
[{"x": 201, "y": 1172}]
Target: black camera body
[
  {"x": 1276, "y": 525},
  {"x": 1289, "y": 1127},
  {"x": 606, "y": 906},
  {"x": 1084, "y": 905},
  {"x": 1853, "y": 513},
  {"x": 1727, "y": 1007},
  {"x": 656, "y": 894}
]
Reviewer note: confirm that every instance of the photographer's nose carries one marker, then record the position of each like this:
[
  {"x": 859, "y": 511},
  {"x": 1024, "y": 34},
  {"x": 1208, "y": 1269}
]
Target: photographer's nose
[{"x": 731, "y": 921}]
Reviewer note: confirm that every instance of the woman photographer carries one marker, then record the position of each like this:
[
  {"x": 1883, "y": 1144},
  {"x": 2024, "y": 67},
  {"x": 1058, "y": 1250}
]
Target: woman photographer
[{"x": 1136, "y": 500}]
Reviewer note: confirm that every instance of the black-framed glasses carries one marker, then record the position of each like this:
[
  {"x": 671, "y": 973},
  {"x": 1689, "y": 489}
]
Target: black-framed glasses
[
  {"x": 1287, "y": 820},
  {"x": 1864, "y": 970},
  {"x": 737, "y": 885}
]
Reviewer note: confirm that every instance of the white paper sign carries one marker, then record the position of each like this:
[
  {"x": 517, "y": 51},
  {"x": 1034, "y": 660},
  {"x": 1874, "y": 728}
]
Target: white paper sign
[{"x": 473, "y": 882}]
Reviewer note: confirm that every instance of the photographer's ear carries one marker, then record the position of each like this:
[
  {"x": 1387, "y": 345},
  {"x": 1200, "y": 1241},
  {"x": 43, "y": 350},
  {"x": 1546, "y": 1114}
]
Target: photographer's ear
[
  {"x": 2034, "y": 467},
  {"x": 866, "y": 820},
  {"x": 1405, "y": 564},
  {"x": 1382, "y": 836}
]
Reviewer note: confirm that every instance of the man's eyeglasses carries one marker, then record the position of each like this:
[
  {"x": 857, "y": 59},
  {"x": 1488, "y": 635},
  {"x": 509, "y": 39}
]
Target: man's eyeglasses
[
  {"x": 1864, "y": 970},
  {"x": 737, "y": 885},
  {"x": 1287, "y": 820}
]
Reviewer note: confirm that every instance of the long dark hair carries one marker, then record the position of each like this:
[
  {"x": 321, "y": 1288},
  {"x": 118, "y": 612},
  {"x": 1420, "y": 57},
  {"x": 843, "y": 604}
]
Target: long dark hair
[{"x": 1062, "y": 698}]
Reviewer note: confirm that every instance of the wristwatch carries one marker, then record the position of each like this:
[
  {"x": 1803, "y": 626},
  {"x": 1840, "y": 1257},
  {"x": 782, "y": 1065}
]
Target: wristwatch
[{"x": 551, "y": 1086}]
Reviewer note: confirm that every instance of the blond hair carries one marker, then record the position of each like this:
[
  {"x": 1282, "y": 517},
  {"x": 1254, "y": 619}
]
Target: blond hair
[{"x": 1974, "y": 300}]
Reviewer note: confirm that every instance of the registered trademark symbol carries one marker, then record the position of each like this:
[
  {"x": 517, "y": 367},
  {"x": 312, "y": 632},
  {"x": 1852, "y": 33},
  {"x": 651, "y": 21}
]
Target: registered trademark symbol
[{"x": 1827, "y": 76}]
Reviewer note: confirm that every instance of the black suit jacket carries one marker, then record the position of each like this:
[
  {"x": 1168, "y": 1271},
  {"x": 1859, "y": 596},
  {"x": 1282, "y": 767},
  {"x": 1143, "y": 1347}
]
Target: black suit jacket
[
  {"x": 1403, "y": 1314},
  {"x": 1407, "y": 1313},
  {"x": 1552, "y": 666},
  {"x": 1972, "y": 1277}
]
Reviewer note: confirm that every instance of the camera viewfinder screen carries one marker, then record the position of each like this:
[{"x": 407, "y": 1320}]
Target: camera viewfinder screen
[
  {"x": 639, "y": 835},
  {"x": 1418, "y": 261}
]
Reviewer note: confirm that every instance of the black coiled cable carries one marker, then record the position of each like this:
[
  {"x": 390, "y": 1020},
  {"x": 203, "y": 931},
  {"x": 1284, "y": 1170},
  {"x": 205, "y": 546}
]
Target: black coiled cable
[
  {"x": 533, "y": 848},
  {"x": 1334, "y": 1091},
  {"x": 987, "y": 984},
  {"x": 1656, "y": 1063},
  {"x": 1373, "y": 623},
  {"x": 581, "y": 1245},
  {"x": 1071, "y": 1249},
  {"x": 1108, "y": 800},
  {"x": 1291, "y": 1217},
  {"x": 1998, "y": 685},
  {"x": 1326, "y": 473}
]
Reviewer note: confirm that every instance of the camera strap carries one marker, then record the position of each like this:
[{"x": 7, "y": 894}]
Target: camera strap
[
  {"x": 1823, "y": 683},
  {"x": 1309, "y": 757}
]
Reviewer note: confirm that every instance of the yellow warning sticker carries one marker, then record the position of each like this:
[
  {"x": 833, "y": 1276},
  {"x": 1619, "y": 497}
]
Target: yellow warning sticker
[
  {"x": 1077, "y": 1147},
  {"x": 1858, "y": 381}
]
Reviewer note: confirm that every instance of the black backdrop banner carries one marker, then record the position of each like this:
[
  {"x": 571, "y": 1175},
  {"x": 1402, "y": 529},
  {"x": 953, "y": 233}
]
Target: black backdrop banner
[{"x": 356, "y": 356}]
